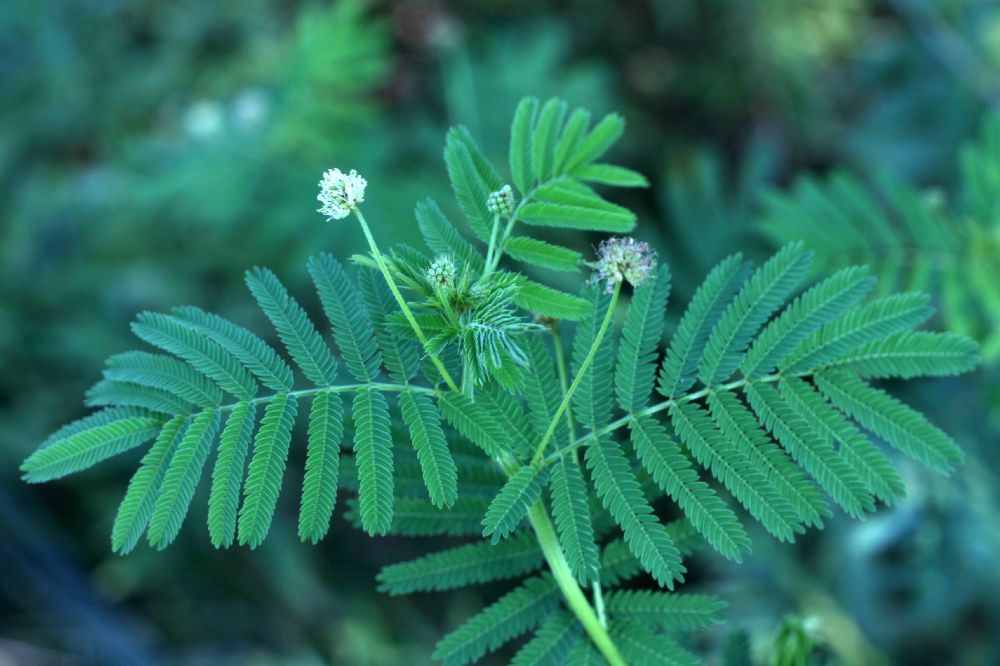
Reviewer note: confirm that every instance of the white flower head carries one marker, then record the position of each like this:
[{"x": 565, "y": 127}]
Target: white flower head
[
  {"x": 624, "y": 259},
  {"x": 501, "y": 202},
  {"x": 340, "y": 193},
  {"x": 442, "y": 271}
]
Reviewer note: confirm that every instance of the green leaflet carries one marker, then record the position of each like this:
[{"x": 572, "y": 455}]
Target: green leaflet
[
  {"x": 914, "y": 354},
  {"x": 352, "y": 328},
  {"x": 465, "y": 565},
  {"x": 442, "y": 237},
  {"x": 551, "y": 644},
  {"x": 817, "y": 306},
  {"x": 644, "y": 648},
  {"x": 622, "y": 497},
  {"x": 267, "y": 466},
  {"x": 672, "y": 471},
  {"x": 428, "y": 438},
  {"x": 900, "y": 426},
  {"x": 814, "y": 453},
  {"x": 319, "y": 487},
  {"x": 164, "y": 373},
  {"x": 480, "y": 427},
  {"x": 539, "y": 253},
  {"x": 522, "y": 144},
  {"x": 88, "y": 447},
  {"x": 227, "y": 476},
  {"x": 549, "y": 302},
  {"x": 569, "y": 492},
  {"x": 670, "y": 612},
  {"x": 472, "y": 180},
  {"x": 640, "y": 336},
  {"x": 610, "y": 174},
  {"x": 137, "y": 506},
  {"x": 513, "y": 614},
  {"x": 868, "y": 462},
  {"x": 204, "y": 355},
  {"x": 250, "y": 350},
  {"x": 878, "y": 319},
  {"x": 680, "y": 366},
  {"x": 550, "y": 121},
  {"x": 297, "y": 333},
  {"x": 512, "y": 503},
  {"x": 373, "y": 453},
  {"x": 715, "y": 451},
  {"x": 122, "y": 394},
  {"x": 181, "y": 478},
  {"x": 400, "y": 355},
  {"x": 762, "y": 294},
  {"x": 775, "y": 491}
]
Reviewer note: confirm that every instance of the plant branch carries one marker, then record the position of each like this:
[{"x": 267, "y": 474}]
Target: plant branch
[
  {"x": 579, "y": 374},
  {"x": 574, "y": 596},
  {"x": 380, "y": 260}
]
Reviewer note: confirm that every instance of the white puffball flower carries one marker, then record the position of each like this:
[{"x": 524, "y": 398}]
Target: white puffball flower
[
  {"x": 624, "y": 260},
  {"x": 340, "y": 193}
]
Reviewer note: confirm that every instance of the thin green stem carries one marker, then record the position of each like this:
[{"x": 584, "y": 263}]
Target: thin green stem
[
  {"x": 380, "y": 260},
  {"x": 488, "y": 267},
  {"x": 563, "y": 378},
  {"x": 337, "y": 388},
  {"x": 599, "y": 603},
  {"x": 659, "y": 407},
  {"x": 579, "y": 374},
  {"x": 574, "y": 596}
]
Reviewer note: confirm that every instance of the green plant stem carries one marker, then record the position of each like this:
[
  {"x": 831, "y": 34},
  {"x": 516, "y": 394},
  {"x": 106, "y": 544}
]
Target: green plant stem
[
  {"x": 338, "y": 388},
  {"x": 659, "y": 407},
  {"x": 599, "y": 603},
  {"x": 574, "y": 596},
  {"x": 380, "y": 260},
  {"x": 579, "y": 374},
  {"x": 563, "y": 378},
  {"x": 488, "y": 267}
]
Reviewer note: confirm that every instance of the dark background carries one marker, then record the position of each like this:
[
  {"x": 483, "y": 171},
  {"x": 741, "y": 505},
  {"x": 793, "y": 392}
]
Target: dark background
[{"x": 150, "y": 152}]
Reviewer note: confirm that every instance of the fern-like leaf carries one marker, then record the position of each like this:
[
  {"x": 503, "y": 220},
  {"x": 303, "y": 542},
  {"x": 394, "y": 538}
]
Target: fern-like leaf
[
  {"x": 899, "y": 425},
  {"x": 255, "y": 354},
  {"x": 813, "y": 452},
  {"x": 551, "y": 644},
  {"x": 517, "y": 612},
  {"x": 373, "y": 453},
  {"x": 424, "y": 423},
  {"x": 762, "y": 294},
  {"x": 89, "y": 446},
  {"x": 352, "y": 328},
  {"x": 297, "y": 333},
  {"x": 715, "y": 451},
  {"x": 319, "y": 487},
  {"x": 465, "y": 565},
  {"x": 674, "y": 474},
  {"x": 204, "y": 355},
  {"x": 140, "y": 498},
  {"x": 680, "y": 366},
  {"x": 868, "y": 462},
  {"x": 267, "y": 466},
  {"x": 574, "y": 523},
  {"x": 227, "y": 476},
  {"x": 622, "y": 496},
  {"x": 636, "y": 368},
  {"x": 512, "y": 503},
  {"x": 669, "y": 612},
  {"x": 181, "y": 478}
]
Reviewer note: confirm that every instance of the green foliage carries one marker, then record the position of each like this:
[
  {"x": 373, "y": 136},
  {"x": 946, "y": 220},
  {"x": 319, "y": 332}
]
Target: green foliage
[
  {"x": 913, "y": 239},
  {"x": 764, "y": 386}
]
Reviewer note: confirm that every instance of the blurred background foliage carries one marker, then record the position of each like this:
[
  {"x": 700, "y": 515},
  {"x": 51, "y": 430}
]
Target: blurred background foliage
[{"x": 150, "y": 152}]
